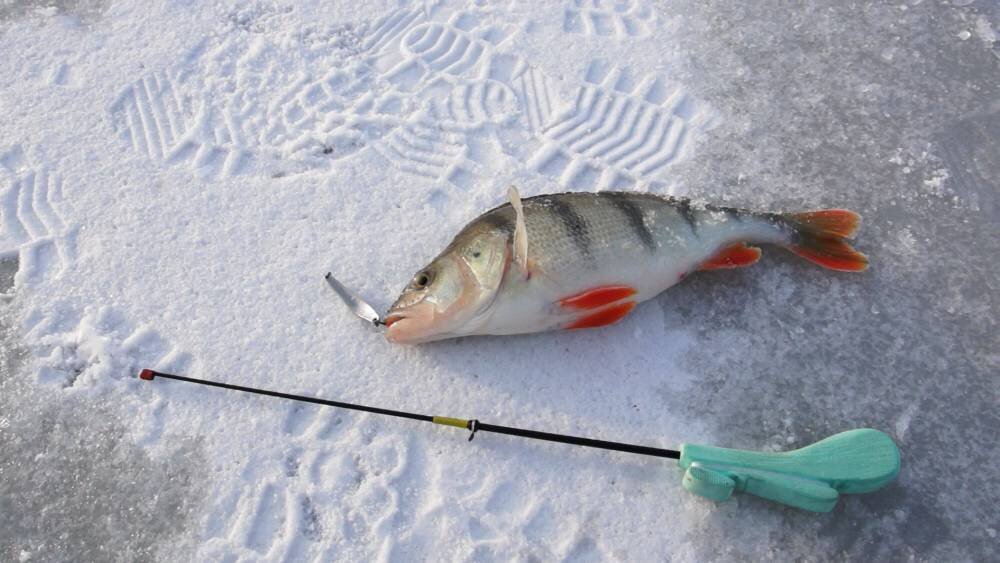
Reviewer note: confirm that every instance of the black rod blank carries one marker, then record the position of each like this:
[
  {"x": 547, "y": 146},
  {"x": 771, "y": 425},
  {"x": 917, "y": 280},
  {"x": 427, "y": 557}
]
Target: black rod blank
[
  {"x": 578, "y": 441},
  {"x": 473, "y": 425}
]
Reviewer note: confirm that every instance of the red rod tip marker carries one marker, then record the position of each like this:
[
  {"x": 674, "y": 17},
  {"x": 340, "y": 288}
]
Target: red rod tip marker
[{"x": 147, "y": 374}]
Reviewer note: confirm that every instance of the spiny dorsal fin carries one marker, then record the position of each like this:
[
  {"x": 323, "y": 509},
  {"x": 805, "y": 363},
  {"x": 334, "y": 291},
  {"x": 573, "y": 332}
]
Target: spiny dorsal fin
[{"x": 520, "y": 230}]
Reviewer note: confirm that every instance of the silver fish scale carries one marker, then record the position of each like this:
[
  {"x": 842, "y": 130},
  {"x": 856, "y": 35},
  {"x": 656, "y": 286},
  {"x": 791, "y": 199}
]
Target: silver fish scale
[
  {"x": 558, "y": 242},
  {"x": 573, "y": 234}
]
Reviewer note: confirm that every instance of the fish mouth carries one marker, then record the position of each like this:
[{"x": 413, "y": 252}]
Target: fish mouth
[
  {"x": 392, "y": 318},
  {"x": 414, "y": 325}
]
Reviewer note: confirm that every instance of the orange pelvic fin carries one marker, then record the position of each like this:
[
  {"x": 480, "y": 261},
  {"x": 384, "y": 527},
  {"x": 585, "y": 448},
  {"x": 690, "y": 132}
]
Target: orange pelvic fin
[
  {"x": 735, "y": 256},
  {"x": 597, "y": 297},
  {"x": 604, "y": 317}
]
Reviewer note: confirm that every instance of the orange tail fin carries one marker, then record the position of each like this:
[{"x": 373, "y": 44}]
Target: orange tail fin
[
  {"x": 819, "y": 236},
  {"x": 836, "y": 222}
]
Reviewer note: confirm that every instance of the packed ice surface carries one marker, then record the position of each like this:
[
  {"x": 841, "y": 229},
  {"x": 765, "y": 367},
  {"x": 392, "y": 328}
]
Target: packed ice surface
[{"x": 177, "y": 177}]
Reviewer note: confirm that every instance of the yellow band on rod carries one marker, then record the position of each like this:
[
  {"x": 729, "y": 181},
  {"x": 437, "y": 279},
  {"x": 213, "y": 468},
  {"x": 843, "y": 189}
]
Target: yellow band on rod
[{"x": 448, "y": 421}]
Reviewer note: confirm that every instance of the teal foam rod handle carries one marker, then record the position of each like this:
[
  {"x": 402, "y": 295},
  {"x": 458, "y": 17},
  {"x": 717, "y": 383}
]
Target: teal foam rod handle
[{"x": 810, "y": 478}]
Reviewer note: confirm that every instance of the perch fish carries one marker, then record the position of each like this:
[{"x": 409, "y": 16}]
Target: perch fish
[{"x": 585, "y": 260}]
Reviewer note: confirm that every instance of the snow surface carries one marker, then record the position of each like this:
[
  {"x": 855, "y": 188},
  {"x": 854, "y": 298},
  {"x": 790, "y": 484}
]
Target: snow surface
[{"x": 176, "y": 177}]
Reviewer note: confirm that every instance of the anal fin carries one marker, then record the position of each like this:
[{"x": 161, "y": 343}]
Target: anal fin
[{"x": 735, "y": 256}]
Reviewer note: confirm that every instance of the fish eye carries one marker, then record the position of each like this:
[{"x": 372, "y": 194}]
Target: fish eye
[
  {"x": 421, "y": 280},
  {"x": 476, "y": 254}
]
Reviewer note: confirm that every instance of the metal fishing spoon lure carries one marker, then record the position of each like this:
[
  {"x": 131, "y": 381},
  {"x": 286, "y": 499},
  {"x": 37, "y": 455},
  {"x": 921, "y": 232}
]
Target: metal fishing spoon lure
[{"x": 356, "y": 304}]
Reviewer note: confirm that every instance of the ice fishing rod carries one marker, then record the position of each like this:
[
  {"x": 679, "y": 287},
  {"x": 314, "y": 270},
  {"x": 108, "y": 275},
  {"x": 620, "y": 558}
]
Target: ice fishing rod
[
  {"x": 811, "y": 478},
  {"x": 472, "y": 425}
]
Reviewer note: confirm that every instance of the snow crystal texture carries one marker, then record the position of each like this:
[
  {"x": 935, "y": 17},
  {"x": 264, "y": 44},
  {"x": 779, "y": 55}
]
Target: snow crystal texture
[{"x": 176, "y": 177}]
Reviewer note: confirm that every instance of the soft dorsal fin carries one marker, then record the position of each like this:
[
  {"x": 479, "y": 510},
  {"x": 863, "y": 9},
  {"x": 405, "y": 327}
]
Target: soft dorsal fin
[{"x": 520, "y": 230}]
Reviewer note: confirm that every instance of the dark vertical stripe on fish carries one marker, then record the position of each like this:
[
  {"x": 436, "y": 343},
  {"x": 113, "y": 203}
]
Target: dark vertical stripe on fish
[
  {"x": 683, "y": 207},
  {"x": 633, "y": 213},
  {"x": 574, "y": 224}
]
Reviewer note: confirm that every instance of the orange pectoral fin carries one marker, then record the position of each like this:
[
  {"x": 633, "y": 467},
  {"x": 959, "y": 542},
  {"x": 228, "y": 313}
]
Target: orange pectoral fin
[
  {"x": 598, "y": 297},
  {"x": 604, "y": 317},
  {"x": 735, "y": 256}
]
